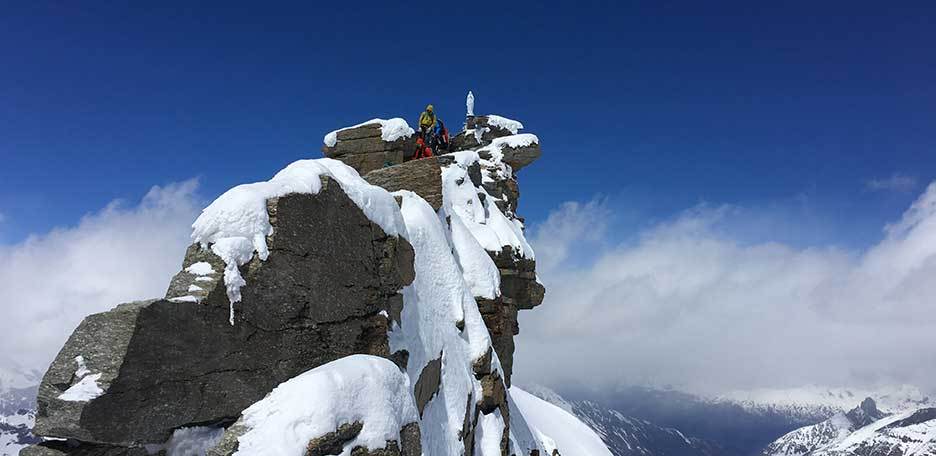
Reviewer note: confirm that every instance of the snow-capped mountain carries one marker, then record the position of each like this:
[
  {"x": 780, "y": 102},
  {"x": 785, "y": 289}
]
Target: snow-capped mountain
[
  {"x": 863, "y": 431},
  {"x": 816, "y": 403},
  {"x": 629, "y": 436},
  {"x": 17, "y": 409}
]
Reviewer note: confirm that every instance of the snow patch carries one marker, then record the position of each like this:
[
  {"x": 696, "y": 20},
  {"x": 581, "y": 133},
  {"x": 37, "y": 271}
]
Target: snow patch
[
  {"x": 200, "y": 269},
  {"x": 390, "y": 130},
  {"x": 82, "y": 369},
  {"x": 510, "y": 125},
  {"x": 83, "y": 391},
  {"x": 358, "y": 388}
]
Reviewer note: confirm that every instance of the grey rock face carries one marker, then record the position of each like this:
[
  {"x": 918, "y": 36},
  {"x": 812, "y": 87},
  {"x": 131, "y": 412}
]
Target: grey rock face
[
  {"x": 423, "y": 177},
  {"x": 318, "y": 297}
]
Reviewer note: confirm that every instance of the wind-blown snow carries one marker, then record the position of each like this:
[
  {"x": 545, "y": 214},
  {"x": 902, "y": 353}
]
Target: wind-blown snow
[
  {"x": 502, "y": 122},
  {"x": 564, "y": 430},
  {"x": 236, "y": 224},
  {"x": 358, "y": 388},
  {"x": 390, "y": 130}
]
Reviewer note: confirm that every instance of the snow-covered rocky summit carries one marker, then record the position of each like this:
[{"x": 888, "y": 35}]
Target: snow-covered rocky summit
[{"x": 322, "y": 312}]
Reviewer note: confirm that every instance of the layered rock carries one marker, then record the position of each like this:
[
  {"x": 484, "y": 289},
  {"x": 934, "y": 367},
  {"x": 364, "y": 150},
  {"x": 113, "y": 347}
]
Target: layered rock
[
  {"x": 322, "y": 294},
  {"x": 372, "y": 145}
]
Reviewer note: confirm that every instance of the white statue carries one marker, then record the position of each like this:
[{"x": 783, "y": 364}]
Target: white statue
[{"x": 469, "y": 102}]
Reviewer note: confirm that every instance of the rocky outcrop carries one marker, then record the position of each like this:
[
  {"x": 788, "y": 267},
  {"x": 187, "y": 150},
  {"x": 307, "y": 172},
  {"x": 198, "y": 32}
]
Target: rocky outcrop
[
  {"x": 226, "y": 343},
  {"x": 365, "y": 149},
  {"x": 322, "y": 294},
  {"x": 422, "y": 177}
]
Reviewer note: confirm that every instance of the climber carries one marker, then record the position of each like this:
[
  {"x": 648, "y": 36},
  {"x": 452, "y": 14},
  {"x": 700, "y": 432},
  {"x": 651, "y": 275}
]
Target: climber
[
  {"x": 427, "y": 120},
  {"x": 422, "y": 149},
  {"x": 440, "y": 137}
]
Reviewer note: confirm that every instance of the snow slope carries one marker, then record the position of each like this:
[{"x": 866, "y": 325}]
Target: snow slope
[{"x": 557, "y": 427}]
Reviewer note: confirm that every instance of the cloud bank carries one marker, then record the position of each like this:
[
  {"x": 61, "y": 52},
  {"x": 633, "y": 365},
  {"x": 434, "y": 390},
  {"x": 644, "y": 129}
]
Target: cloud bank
[
  {"x": 119, "y": 254},
  {"x": 687, "y": 306}
]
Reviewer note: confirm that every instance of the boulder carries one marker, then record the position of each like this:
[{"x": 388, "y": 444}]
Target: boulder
[
  {"x": 323, "y": 293},
  {"x": 423, "y": 177}
]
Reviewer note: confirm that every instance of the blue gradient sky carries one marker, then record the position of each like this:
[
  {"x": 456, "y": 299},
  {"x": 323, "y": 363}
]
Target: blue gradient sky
[{"x": 787, "y": 109}]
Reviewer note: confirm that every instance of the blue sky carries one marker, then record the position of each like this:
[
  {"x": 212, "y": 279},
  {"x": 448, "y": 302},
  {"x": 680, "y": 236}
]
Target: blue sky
[{"x": 787, "y": 110}]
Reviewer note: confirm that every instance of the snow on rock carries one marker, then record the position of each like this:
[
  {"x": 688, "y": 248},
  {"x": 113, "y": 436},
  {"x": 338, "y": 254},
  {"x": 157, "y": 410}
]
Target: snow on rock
[
  {"x": 390, "y": 130},
  {"x": 488, "y": 434},
  {"x": 356, "y": 389},
  {"x": 87, "y": 387},
  {"x": 557, "y": 428},
  {"x": 82, "y": 369},
  {"x": 513, "y": 141},
  {"x": 486, "y": 223},
  {"x": 502, "y": 122},
  {"x": 200, "y": 269},
  {"x": 236, "y": 224},
  {"x": 434, "y": 306},
  {"x": 83, "y": 391}
]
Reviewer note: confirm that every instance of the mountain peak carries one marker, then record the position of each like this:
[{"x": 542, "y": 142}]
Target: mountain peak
[{"x": 865, "y": 413}]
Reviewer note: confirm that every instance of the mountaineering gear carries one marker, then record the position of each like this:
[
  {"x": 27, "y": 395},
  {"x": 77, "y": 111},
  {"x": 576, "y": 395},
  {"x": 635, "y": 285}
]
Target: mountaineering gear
[
  {"x": 427, "y": 119},
  {"x": 422, "y": 150},
  {"x": 440, "y": 137}
]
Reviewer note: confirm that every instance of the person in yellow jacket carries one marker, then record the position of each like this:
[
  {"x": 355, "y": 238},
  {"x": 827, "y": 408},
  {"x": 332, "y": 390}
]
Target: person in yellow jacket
[{"x": 427, "y": 120}]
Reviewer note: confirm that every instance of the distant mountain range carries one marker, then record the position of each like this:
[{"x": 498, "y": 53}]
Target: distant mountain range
[
  {"x": 863, "y": 431},
  {"x": 17, "y": 408},
  {"x": 646, "y": 421}
]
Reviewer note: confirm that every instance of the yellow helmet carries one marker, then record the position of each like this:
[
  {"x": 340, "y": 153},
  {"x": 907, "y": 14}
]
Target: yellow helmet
[{"x": 429, "y": 108}]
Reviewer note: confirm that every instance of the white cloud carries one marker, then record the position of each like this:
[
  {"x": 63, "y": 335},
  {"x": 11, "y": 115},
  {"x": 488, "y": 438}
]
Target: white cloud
[
  {"x": 688, "y": 306},
  {"x": 119, "y": 254},
  {"x": 895, "y": 183}
]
